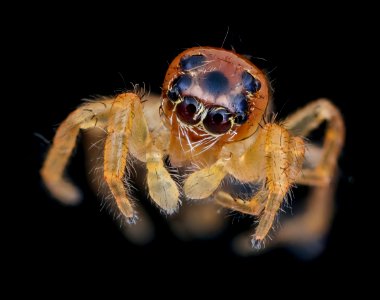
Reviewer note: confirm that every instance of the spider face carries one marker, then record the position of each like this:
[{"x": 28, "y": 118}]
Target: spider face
[{"x": 214, "y": 92}]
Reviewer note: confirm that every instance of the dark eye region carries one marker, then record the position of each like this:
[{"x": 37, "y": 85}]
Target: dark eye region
[
  {"x": 189, "y": 63},
  {"x": 184, "y": 81},
  {"x": 179, "y": 85},
  {"x": 241, "y": 108},
  {"x": 218, "y": 120},
  {"x": 250, "y": 83},
  {"x": 215, "y": 83},
  {"x": 188, "y": 111},
  {"x": 212, "y": 92}
]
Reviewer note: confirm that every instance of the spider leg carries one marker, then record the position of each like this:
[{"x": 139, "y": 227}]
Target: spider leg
[
  {"x": 302, "y": 122},
  {"x": 282, "y": 157},
  {"x": 127, "y": 131},
  {"x": 304, "y": 232},
  {"x": 162, "y": 188},
  {"x": 201, "y": 184},
  {"x": 127, "y": 127},
  {"x": 94, "y": 141},
  {"x": 52, "y": 172},
  {"x": 307, "y": 230},
  {"x": 253, "y": 206},
  {"x": 121, "y": 117},
  {"x": 247, "y": 167}
]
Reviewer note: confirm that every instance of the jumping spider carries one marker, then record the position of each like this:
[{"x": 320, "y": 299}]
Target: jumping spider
[{"x": 209, "y": 125}]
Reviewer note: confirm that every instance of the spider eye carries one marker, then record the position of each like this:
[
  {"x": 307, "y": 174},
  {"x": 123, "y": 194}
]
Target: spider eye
[
  {"x": 187, "y": 111},
  {"x": 216, "y": 83},
  {"x": 250, "y": 83},
  {"x": 241, "y": 118},
  {"x": 180, "y": 84},
  {"x": 241, "y": 108},
  {"x": 217, "y": 120},
  {"x": 191, "y": 62}
]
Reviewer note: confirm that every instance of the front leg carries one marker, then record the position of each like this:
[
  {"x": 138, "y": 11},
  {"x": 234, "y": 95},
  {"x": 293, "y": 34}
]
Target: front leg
[
  {"x": 282, "y": 156},
  {"x": 274, "y": 159},
  {"x": 201, "y": 184},
  {"x": 162, "y": 188},
  {"x": 128, "y": 128},
  {"x": 121, "y": 119},
  {"x": 248, "y": 167}
]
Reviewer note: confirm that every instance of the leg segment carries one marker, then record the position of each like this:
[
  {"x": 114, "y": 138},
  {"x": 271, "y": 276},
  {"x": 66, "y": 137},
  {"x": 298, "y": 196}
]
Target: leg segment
[
  {"x": 127, "y": 127},
  {"x": 94, "y": 142},
  {"x": 203, "y": 183},
  {"x": 116, "y": 149},
  {"x": 52, "y": 171},
  {"x": 275, "y": 158},
  {"x": 253, "y": 206},
  {"x": 248, "y": 167},
  {"x": 305, "y": 231},
  {"x": 162, "y": 188},
  {"x": 312, "y": 225},
  {"x": 309, "y": 118},
  {"x": 282, "y": 156},
  {"x": 278, "y": 181}
]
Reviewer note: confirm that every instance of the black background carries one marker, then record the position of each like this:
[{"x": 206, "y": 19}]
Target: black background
[{"x": 305, "y": 59}]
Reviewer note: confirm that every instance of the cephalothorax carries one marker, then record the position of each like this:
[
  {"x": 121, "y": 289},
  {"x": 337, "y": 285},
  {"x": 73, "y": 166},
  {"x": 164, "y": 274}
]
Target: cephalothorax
[{"x": 210, "y": 125}]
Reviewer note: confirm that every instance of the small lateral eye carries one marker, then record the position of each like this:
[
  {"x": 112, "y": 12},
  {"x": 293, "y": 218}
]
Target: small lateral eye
[
  {"x": 187, "y": 111},
  {"x": 241, "y": 108},
  {"x": 241, "y": 118},
  {"x": 179, "y": 85},
  {"x": 250, "y": 83},
  {"x": 218, "y": 120},
  {"x": 188, "y": 63}
]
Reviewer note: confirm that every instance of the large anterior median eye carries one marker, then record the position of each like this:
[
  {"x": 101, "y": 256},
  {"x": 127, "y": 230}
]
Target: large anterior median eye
[
  {"x": 188, "y": 111},
  {"x": 217, "y": 120}
]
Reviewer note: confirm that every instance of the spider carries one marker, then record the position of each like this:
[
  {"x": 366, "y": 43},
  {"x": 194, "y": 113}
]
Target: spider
[{"x": 210, "y": 126}]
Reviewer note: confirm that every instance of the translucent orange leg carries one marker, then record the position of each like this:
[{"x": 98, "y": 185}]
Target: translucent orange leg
[
  {"x": 116, "y": 150},
  {"x": 127, "y": 131},
  {"x": 52, "y": 171},
  {"x": 282, "y": 156},
  {"x": 278, "y": 173},
  {"x": 313, "y": 224},
  {"x": 302, "y": 122},
  {"x": 126, "y": 116},
  {"x": 253, "y": 206},
  {"x": 118, "y": 114},
  {"x": 305, "y": 229}
]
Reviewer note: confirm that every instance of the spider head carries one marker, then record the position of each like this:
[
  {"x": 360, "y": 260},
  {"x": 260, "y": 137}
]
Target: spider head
[{"x": 214, "y": 92}]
